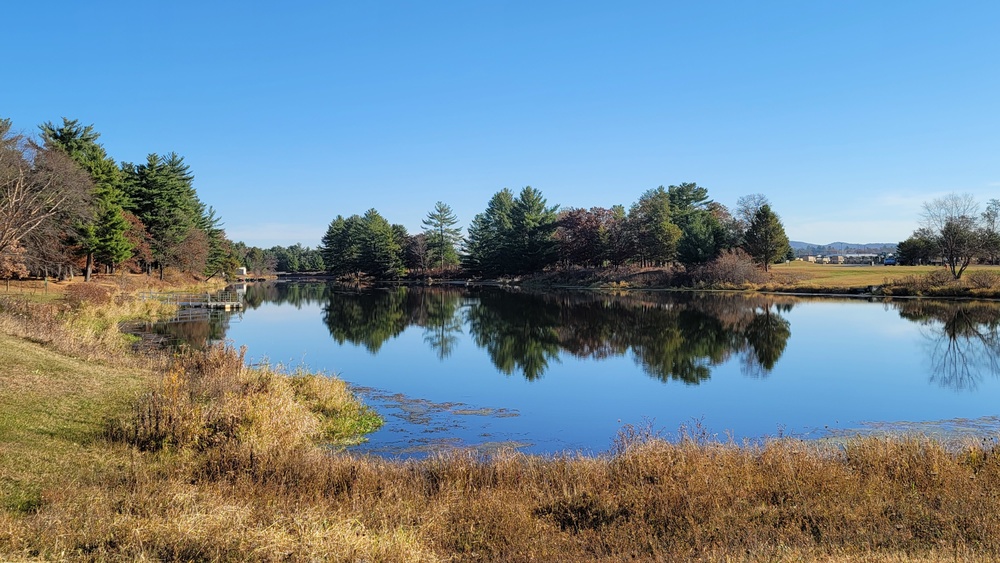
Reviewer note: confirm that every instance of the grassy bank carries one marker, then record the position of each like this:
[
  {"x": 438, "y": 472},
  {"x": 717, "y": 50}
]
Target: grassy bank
[
  {"x": 794, "y": 277},
  {"x": 109, "y": 456},
  {"x": 930, "y": 281}
]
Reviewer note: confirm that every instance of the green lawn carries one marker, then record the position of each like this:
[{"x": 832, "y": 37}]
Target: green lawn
[{"x": 52, "y": 412}]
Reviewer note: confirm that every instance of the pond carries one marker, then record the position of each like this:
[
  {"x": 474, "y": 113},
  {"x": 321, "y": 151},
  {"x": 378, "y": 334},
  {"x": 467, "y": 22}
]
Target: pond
[{"x": 566, "y": 371}]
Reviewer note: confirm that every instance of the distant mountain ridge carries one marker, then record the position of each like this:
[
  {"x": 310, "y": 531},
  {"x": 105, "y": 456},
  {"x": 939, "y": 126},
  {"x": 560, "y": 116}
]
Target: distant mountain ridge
[{"x": 867, "y": 247}]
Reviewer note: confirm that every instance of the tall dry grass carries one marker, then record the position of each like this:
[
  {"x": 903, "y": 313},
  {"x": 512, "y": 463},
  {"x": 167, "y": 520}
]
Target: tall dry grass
[
  {"x": 875, "y": 500},
  {"x": 219, "y": 462}
]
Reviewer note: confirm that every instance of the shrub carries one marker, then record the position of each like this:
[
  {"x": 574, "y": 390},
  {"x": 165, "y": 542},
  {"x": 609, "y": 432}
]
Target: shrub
[
  {"x": 78, "y": 294},
  {"x": 732, "y": 267},
  {"x": 242, "y": 420},
  {"x": 983, "y": 279}
]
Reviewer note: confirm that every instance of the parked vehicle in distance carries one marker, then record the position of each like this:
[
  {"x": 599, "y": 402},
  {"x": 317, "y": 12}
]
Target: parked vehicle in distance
[{"x": 889, "y": 261}]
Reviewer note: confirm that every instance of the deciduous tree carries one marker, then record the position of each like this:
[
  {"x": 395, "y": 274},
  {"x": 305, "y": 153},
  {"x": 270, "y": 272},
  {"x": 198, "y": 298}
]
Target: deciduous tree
[
  {"x": 35, "y": 186},
  {"x": 955, "y": 224}
]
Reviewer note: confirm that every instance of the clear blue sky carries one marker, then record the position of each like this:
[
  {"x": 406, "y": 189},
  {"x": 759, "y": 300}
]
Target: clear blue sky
[{"x": 847, "y": 115}]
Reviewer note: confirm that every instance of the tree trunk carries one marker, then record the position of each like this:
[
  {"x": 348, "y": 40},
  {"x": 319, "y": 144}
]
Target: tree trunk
[{"x": 90, "y": 267}]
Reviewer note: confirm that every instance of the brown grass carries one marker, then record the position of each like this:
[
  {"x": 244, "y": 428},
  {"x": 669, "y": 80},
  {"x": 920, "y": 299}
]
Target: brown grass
[
  {"x": 877, "y": 500},
  {"x": 212, "y": 461}
]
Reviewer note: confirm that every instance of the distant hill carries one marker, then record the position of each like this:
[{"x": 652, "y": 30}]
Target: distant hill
[{"x": 847, "y": 247}]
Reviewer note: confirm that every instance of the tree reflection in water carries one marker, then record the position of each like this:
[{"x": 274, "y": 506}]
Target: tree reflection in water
[
  {"x": 964, "y": 339},
  {"x": 672, "y": 336},
  {"x": 367, "y": 318},
  {"x": 441, "y": 320}
]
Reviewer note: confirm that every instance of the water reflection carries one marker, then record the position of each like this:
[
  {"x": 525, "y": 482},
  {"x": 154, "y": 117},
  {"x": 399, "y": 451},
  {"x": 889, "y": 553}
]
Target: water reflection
[
  {"x": 963, "y": 338},
  {"x": 368, "y": 318},
  {"x": 196, "y": 328},
  {"x": 442, "y": 322},
  {"x": 672, "y": 336}
]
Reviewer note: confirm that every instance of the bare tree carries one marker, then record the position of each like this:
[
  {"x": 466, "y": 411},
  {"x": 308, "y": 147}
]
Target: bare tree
[
  {"x": 35, "y": 186},
  {"x": 956, "y": 225},
  {"x": 746, "y": 208}
]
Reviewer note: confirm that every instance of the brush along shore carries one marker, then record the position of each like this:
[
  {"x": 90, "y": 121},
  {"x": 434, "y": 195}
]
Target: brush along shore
[{"x": 108, "y": 455}]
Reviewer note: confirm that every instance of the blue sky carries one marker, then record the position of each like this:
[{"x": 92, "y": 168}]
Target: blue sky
[{"x": 847, "y": 115}]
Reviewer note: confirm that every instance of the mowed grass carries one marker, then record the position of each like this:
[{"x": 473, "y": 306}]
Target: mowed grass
[
  {"x": 844, "y": 276},
  {"x": 53, "y": 410}
]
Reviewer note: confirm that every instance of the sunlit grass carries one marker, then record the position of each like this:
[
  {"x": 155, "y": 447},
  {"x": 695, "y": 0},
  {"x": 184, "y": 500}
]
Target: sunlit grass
[
  {"x": 807, "y": 274},
  {"x": 199, "y": 457},
  {"x": 52, "y": 412}
]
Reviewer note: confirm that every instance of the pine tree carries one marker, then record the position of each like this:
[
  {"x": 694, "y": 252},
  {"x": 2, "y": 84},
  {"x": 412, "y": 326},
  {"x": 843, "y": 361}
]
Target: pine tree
[
  {"x": 341, "y": 246},
  {"x": 112, "y": 247},
  {"x": 102, "y": 236},
  {"x": 655, "y": 234},
  {"x": 534, "y": 226},
  {"x": 487, "y": 249},
  {"x": 765, "y": 238},
  {"x": 442, "y": 235},
  {"x": 162, "y": 195},
  {"x": 381, "y": 255}
]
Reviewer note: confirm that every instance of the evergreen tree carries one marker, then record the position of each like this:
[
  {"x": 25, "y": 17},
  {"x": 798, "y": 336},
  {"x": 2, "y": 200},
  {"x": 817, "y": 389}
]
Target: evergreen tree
[
  {"x": 381, "y": 255},
  {"x": 220, "y": 258},
  {"x": 110, "y": 232},
  {"x": 341, "y": 247},
  {"x": 702, "y": 235},
  {"x": 442, "y": 235},
  {"x": 487, "y": 248},
  {"x": 103, "y": 235},
  {"x": 765, "y": 239},
  {"x": 919, "y": 249},
  {"x": 162, "y": 195},
  {"x": 655, "y": 234},
  {"x": 534, "y": 225},
  {"x": 367, "y": 244},
  {"x": 702, "y": 239}
]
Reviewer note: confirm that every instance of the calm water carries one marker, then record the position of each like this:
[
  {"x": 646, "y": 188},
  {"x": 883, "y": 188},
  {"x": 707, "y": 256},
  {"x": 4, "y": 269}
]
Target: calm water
[{"x": 565, "y": 371}]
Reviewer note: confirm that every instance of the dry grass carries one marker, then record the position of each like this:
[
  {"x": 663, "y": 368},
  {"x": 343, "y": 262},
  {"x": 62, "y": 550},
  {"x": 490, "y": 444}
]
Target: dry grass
[
  {"x": 809, "y": 275},
  {"x": 878, "y": 500},
  {"x": 216, "y": 462}
]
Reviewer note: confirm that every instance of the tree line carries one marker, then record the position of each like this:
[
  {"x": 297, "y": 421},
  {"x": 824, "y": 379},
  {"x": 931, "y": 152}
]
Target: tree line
[
  {"x": 523, "y": 234},
  {"x": 65, "y": 204}
]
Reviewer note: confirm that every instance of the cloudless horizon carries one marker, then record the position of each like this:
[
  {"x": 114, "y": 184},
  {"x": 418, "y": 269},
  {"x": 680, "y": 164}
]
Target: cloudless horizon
[{"x": 847, "y": 115}]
